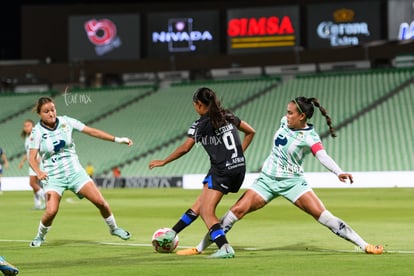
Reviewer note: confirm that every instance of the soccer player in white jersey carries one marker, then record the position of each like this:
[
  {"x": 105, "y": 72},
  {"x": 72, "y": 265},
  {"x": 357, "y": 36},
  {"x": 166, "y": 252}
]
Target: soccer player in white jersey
[
  {"x": 61, "y": 169},
  {"x": 282, "y": 175},
  {"x": 39, "y": 194}
]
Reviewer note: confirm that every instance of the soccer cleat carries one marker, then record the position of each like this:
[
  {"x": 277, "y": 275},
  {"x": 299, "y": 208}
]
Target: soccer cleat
[
  {"x": 36, "y": 242},
  {"x": 225, "y": 252},
  {"x": 7, "y": 268},
  {"x": 121, "y": 233},
  {"x": 166, "y": 238},
  {"x": 374, "y": 249},
  {"x": 188, "y": 252}
]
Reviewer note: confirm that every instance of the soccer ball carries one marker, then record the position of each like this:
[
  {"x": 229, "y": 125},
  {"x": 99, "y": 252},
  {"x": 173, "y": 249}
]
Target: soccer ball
[{"x": 166, "y": 248}]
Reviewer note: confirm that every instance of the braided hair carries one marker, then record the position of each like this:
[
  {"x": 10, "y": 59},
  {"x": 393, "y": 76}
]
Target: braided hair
[
  {"x": 216, "y": 112},
  {"x": 306, "y": 106}
]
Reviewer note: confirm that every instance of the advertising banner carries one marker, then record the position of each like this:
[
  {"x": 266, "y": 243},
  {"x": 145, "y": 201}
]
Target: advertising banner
[
  {"x": 343, "y": 24},
  {"x": 400, "y": 19},
  {"x": 104, "y": 37},
  {"x": 183, "y": 33},
  {"x": 263, "y": 29}
]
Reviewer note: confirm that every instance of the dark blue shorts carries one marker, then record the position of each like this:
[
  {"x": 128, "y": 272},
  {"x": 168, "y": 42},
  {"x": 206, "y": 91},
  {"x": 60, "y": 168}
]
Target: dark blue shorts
[{"x": 225, "y": 183}]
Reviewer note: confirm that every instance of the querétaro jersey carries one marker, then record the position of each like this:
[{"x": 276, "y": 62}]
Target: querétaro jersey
[
  {"x": 56, "y": 146},
  {"x": 223, "y": 145},
  {"x": 289, "y": 149}
]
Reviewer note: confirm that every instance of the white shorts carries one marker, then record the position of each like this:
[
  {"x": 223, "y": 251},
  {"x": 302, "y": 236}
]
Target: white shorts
[{"x": 31, "y": 172}]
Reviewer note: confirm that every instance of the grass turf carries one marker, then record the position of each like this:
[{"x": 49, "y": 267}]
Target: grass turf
[{"x": 279, "y": 239}]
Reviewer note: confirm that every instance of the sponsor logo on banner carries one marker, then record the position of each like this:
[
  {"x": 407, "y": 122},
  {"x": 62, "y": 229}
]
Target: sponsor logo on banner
[
  {"x": 406, "y": 31},
  {"x": 262, "y": 32},
  {"x": 181, "y": 37},
  {"x": 103, "y": 34},
  {"x": 343, "y": 30}
]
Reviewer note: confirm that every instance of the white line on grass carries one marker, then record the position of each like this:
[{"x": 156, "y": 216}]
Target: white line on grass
[{"x": 247, "y": 248}]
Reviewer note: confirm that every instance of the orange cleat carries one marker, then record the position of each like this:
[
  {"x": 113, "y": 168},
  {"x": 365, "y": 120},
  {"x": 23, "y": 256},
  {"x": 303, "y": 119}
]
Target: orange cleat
[
  {"x": 374, "y": 249},
  {"x": 188, "y": 252}
]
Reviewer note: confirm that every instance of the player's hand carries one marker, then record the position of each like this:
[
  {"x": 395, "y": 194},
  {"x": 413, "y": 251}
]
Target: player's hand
[
  {"x": 124, "y": 140},
  {"x": 42, "y": 175},
  {"x": 346, "y": 177},
  {"x": 155, "y": 163}
]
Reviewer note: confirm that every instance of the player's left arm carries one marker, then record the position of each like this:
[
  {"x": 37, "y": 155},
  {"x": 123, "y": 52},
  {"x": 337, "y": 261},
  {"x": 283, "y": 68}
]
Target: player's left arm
[
  {"x": 21, "y": 163},
  {"x": 5, "y": 161},
  {"x": 249, "y": 133},
  {"x": 331, "y": 165},
  {"x": 94, "y": 132}
]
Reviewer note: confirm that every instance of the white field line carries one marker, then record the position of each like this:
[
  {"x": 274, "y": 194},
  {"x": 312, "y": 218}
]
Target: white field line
[{"x": 247, "y": 248}]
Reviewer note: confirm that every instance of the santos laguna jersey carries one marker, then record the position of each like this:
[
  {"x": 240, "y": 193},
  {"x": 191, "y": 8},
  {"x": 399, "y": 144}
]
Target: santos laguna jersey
[
  {"x": 289, "y": 149},
  {"x": 56, "y": 146},
  {"x": 223, "y": 145}
]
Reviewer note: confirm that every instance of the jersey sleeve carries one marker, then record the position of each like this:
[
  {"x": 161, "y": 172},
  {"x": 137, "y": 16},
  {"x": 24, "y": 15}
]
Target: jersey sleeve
[
  {"x": 233, "y": 119},
  {"x": 74, "y": 123},
  {"x": 191, "y": 133},
  {"x": 35, "y": 138},
  {"x": 314, "y": 142}
]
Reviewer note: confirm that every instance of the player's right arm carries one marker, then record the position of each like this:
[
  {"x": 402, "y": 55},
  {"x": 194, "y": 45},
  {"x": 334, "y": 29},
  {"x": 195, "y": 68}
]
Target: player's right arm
[
  {"x": 177, "y": 153},
  {"x": 34, "y": 163}
]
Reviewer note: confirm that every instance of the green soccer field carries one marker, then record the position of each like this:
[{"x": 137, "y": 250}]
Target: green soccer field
[{"x": 277, "y": 240}]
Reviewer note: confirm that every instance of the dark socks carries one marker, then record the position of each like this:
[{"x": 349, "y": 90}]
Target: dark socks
[
  {"x": 188, "y": 217},
  {"x": 217, "y": 235}
]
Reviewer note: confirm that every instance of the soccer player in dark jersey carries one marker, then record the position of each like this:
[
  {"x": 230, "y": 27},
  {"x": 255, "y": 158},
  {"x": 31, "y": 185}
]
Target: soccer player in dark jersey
[{"x": 217, "y": 130}]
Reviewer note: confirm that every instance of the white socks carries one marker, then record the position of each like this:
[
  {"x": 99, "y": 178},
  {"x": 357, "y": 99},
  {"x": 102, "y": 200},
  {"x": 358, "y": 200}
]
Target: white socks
[
  {"x": 341, "y": 229},
  {"x": 42, "y": 230},
  {"x": 110, "y": 221},
  {"x": 336, "y": 225},
  {"x": 226, "y": 222}
]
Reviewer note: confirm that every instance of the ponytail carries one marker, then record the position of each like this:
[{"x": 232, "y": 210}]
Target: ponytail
[
  {"x": 216, "y": 112},
  {"x": 306, "y": 106}
]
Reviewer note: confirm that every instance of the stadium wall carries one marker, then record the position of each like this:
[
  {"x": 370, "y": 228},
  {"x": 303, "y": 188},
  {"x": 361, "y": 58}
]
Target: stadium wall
[{"x": 390, "y": 179}]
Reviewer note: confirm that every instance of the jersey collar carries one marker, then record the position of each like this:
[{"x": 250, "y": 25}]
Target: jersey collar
[{"x": 48, "y": 128}]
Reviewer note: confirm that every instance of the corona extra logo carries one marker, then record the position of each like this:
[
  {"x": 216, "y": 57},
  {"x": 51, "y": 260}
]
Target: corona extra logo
[
  {"x": 263, "y": 32},
  {"x": 343, "y": 31},
  {"x": 343, "y": 15}
]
